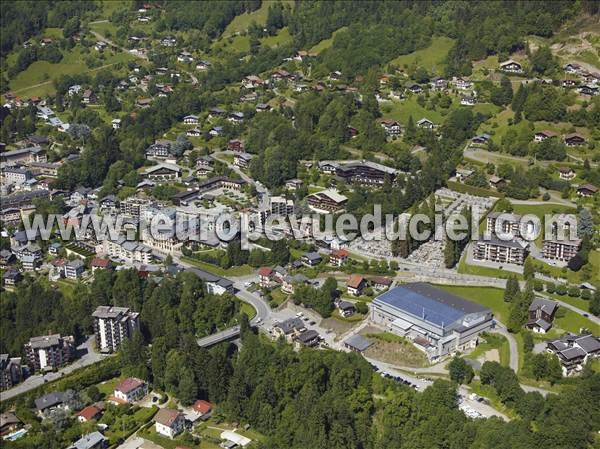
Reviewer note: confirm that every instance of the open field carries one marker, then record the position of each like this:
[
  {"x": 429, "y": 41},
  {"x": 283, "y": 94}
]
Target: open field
[
  {"x": 486, "y": 296},
  {"x": 431, "y": 58},
  {"x": 38, "y": 78},
  {"x": 325, "y": 43}
]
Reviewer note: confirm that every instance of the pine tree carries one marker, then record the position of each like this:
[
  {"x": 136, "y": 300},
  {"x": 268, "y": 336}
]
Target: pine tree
[{"x": 512, "y": 289}]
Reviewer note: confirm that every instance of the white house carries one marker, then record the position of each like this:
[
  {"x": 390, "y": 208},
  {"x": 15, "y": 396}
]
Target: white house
[
  {"x": 169, "y": 422},
  {"x": 130, "y": 390}
]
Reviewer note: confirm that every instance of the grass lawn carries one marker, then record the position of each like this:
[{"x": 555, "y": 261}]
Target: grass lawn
[
  {"x": 141, "y": 416},
  {"x": 248, "y": 310},
  {"x": 277, "y": 297},
  {"x": 325, "y": 43},
  {"x": 476, "y": 270},
  {"x": 582, "y": 304},
  {"x": 106, "y": 29},
  {"x": 401, "y": 110},
  {"x": 487, "y": 296},
  {"x": 233, "y": 271},
  {"x": 282, "y": 37},
  {"x": 390, "y": 348},
  {"x": 107, "y": 387},
  {"x": 351, "y": 319},
  {"x": 572, "y": 322},
  {"x": 430, "y": 58}
]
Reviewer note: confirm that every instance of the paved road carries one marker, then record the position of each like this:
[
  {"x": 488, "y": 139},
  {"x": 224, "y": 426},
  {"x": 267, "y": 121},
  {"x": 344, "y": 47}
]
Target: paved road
[
  {"x": 512, "y": 344},
  {"x": 88, "y": 357}
]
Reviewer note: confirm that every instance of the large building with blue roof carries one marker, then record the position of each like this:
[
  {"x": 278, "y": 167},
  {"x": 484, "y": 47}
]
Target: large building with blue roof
[{"x": 436, "y": 320}]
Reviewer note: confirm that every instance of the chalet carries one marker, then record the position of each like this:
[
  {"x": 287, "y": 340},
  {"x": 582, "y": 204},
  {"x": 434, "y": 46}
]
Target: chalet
[
  {"x": 356, "y": 284},
  {"x": 463, "y": 84},
  {"x": 574, "y": 139},
  {"x": 468, "y": 100},
  {"x": 99, "y": 263},
  {"x": 438, "y": 83},
  {"x": 143, "y": 103},
  {"x": 24, "y": 155},
  {"x": 294, "y": 184},
  {"x": 252, "y": 82},
  {"x": 346, "y": 308},
  {"x": 511, "y": 66},
  {"x": 116, "y": 123},
  {"x": 203, "y": 65},
  {"x": 589, "y": 90},
  {"x": 12, "y": 277},
  {"x": 263, "y": 107},
  {"x": 235, "y": 145},
  {"x": 572, "y": 68},
  {"x": 163, "y": 172},
  {"x": 9, "y": 423},
  {"x": 462, "y": 174},
  {"x": 88, "y": 96},
  {"x": 51, "y": 401},
  {"x": 425, "y": 124},
  {"x": 311, "y": 259},
  {"x": 569, "y": 83},
  {"x": 100, "y": 46},
  {"x": 338, "y": 257},
  {"x": 587, "y": 190},
  {"x": 380, "y": 282},
  {"x": 215, "y": 131},
  {"x": 204, "y": 165},
  {"x": 288, "y": 283},
  {"x": 265, "y": 275},
  {"x": 335, "y": 75},
  {"x": 280, "y": 74},
  {"x": 496, "y": 182},
  {"x": 541, "y": 315},
  {"x": 242, "y": 160},
  {"x": 236, "y": 117},
  {"x": 566, "y": 173},
  {"x": 185, "y": 57},
  {"x": 169, "y": 422},
  {"x": 414, "y": 88},
  {"x": 308, "y": 338},
  {"x": 45, "y": 41},
  {"x": 193, "y": 132},
  {"x": 327, "y": 200},
  {"x": 191, "y": 120},
  {"x": 289, "y": 328},
  {"x": 250, "y": 97},
  {"x": 481, "y": 139},
  {"x": 392, "y": 127},
  {"x": 540, "y": 136},
  {"x": 168, "y": 41},
  {"x": 6, "y": 258},
  {"x": 573, "y": 351},
  {"x": 214, "y": 113},
  {"x": 159, "y": 149}
]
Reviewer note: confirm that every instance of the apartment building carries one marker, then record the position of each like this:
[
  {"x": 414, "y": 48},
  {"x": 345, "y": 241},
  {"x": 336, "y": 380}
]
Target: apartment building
[
  {"x": 49, "y": 352},
  {"x": 500, "y": 251},
  {"x": 112, "y": 325}
]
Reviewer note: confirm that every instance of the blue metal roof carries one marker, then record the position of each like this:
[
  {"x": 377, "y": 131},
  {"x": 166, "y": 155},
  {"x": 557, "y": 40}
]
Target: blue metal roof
[{"x": 429, "y": 303}]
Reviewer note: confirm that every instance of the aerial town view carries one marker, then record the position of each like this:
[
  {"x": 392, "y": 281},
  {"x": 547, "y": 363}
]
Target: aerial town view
[{"x": 300, "y": 224}]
